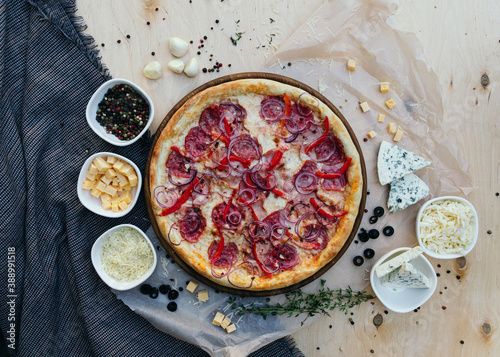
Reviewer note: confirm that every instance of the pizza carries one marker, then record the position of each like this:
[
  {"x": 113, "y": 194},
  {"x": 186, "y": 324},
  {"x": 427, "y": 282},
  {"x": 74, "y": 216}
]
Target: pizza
[{"x": 255, "y": 184}]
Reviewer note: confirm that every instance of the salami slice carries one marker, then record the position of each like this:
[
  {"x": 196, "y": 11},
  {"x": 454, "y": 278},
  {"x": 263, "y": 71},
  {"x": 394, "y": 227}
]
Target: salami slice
[
  {"x": 196, "y": 142},
  {"x": 209, "y": 120},
  {"x": 272, "y": 109},
  {"x": 192, "y": 225},
  {"x": 278, "y": 230},
  {"x": 246, "y": 148},
  {"x": 176, "y": 164},
  {"x": 335, "y": 184},
  {"x": 306, "y": 180},
  {"x": 330, "y": 151},
  {"x": 227, "y": 256},
  {"x": 300, "y": 119},
  {"x": 227, "y": 216},
  {"x": 284, "y": 257}
]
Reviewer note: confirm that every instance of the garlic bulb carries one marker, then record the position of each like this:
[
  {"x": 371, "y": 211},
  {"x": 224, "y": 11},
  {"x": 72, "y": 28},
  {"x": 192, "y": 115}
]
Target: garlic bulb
[
  {"x": 152, "y": 70},
  {"x": 191, "y": 68},
  {"x": 178, "y": 47},
  {"x": 176, "y": 66}
]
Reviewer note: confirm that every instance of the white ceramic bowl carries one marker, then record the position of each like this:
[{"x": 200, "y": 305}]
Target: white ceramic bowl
[
  {"x": 96, "y": 255},
  {"x": 475, "y": 228},
  {"x": 405, "y": 299},
  {"x": 93, "y": 203},
  {"x": 93, "y": 105}
]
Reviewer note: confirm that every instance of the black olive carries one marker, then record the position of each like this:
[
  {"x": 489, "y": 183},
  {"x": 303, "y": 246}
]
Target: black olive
[
  {"x": 146, "y": 289},
  {"x": 373, "y": 233},
  {"x": 388, "y": 231},
  {"x": 369, "y": 253},
  {"x": 164, "y": 289},
  {"x": 358, "y": 260},
  {"x": 181, "y": 289},
  {"x": 378, "y": 211},
  {"x": 363, "y": 236},
  {"x": 173, "y": 294},
  {"x": 373, "y": 219},
  {"x": 153, "y": 293},
  {"x": 172, "y": 306}
]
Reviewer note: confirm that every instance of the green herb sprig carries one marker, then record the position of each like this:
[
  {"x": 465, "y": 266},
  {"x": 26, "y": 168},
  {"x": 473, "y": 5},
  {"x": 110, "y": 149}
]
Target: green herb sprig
[
  {"x": 299, "y": 302},
  {"x": 238, "y": 37}
]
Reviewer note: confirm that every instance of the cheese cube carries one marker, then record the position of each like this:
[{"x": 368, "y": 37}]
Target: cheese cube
[
  {"x": 351, "y": 65},
  {"x": 371, "y": 134},
  {"x": 116, "y": 199},
  {"x": 105, "y": 197},
  {"x": 191, "y": 287},
  {"x": 110, "y": 190},
  {"x": 93, "y": 169},
  {"x": 106, "y": 180},
  {"x": 123, "y": 205},
  {"x": 398, "y": 135},
  {"x": 118, "y": 165},
  {"x": 391, "y": 128},
  {"x": 101, "y": 165},
  {"x": 101, "y": 186},
  {"x": 390, "y": 103},
  {"x": 128, "y": 170},
  {"x": 384, "y": 87},
  {"x": 114, "y": 207},
  {"x": 203, "y": 296},
  {"x": 110, "y": 173},
  {"x": 122, "y": 180},
  {"x": 127, "y": 187},
  {"x": 111, "y": 160},
  {"x": 364, "y": 107},
  {"x": 97, "y": 177},
  {"x": 231, "y": 328},
  {"x": 87, "y": 185},
  {"x": 225, "y": 323},
  {"x": 133, "y": 180},
  {"x": 126, "y": 197},
  {"x": 115, "y": 182},
  {"x": 89, "y": 176},
  {"x": 218, "y": 319},
  {"x": 95, "y": 192},
  {"x": 381, "y": 118},
  {"x": 106, "y": 204}
]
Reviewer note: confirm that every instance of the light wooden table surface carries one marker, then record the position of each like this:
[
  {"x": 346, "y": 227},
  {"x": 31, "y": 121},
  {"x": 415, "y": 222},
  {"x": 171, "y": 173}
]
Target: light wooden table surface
[{"x": 461, "y": 40}]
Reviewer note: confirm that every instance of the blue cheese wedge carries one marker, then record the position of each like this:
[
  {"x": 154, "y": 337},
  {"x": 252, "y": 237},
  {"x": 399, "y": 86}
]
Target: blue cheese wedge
[
  {"x": 395, "y": 162},
  {"x": 406, "y": 191},
  {"x": 407, "y": 276},
  {"x": 391, "y": 265}
]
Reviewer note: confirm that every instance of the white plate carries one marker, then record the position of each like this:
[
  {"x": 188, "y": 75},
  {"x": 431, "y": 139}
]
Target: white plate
[
  {"x": 94, "y": 203},
  {"x": 97, "y": 261},
  {"x": 475, "y": 229},
  {"x": 93, "y": 105},
  {"x": 405, "y": 299}
]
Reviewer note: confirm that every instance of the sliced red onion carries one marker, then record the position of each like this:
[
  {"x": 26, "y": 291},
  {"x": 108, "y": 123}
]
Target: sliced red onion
[
  {"x": 246, "y": 201},
  {"x": 275, "y": 233},
  {"x": 272, "y": 109},
  {"x": 241, "y": 140},
  {"x": 215, "y": 273},
  {"x": 190, "y": 228},
  {"x": 303, "y": 110},
  {"x": 259, "y": 230},
  {"x": 168, "y": 235},
  {"x": 299, "y": 222},
  {"x": 234, "y": 218},
  {"x": 185, "y": 182},
  {"x": 270, "y": 265},
  {"x": 291, "y": 138},
  {"x": 257, "y": 180},
  {"x": 238, "y": 267},
  {"x": 288, "y": 256},
  {"x": 164, "y": 197},
  {"x": 306, "y": 182}
]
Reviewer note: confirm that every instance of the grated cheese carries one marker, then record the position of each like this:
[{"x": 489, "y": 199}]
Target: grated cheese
[
  {"x": 126, "y": 255},
  {"x": 446, "y": 227}
]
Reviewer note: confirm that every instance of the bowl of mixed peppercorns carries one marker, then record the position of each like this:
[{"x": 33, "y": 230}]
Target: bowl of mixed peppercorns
[{"x": 120, "y": 112}]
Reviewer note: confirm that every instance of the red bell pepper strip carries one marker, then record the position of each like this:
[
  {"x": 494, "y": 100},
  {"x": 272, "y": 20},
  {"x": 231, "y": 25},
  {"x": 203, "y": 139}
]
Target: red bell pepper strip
[
  {"x": 321, "y": 138},
  {"x": 288, "y": 105},
  {"x": 254, "y": 250},
  {"x": 278, "y": 193},
  {"x": 276, "y": 158},
  {"x": 224, "y": 162},
  {"x": 338, "y": 174},
  {"x": 327, "y": 125},
  {"x": 176, "y": 149},
  {"x": 254, "y": 215},
  {"x": 325, "y": 214},
  {"x": 181, "y": 200},
  {"x": 219, "y": 248},
  {"x": 226, "y": 125},
  {"x": 229, "y": 204},
  {"x": 221, "y": 137}
]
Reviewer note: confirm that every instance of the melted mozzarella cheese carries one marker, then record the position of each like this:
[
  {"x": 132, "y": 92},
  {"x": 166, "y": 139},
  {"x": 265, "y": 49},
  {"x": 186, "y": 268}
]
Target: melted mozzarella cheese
[
  {"x": 274, "y": 203},
  {"x": 267, "y": 142},
  {"x": 292, "y": 160}
]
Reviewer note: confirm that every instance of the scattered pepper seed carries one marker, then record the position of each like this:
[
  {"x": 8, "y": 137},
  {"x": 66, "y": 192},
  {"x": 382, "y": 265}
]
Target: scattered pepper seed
[
  {"x": 199, "y": 53},
  {"x": 148, "y": 23},
  {"x": 439, "y": 265},
  {"x": 497, "y": 194},
  {"x": 216, "y": 21},
  {"x": 438, "y": 275},
  {"x": 462, "y": 342},
  {"x": 289, "y": 64},
  {"x": 365, "y": 139},
  {"x": 458, "y": 277},
  {"x": 119, "y": 41},
  {"x": 153, "y": 53},
  {"x": 128, "y": 36},
  {"x": 372, "y": 351},
  {"x": 386, "y": 312},
  {"x": 102, "y": 44},
  {"x": 448, "y": 271},
  {"x": 443, "y": 307},
  {"x": 330, "y": 326},
  {"x": 489, "y": 231}
]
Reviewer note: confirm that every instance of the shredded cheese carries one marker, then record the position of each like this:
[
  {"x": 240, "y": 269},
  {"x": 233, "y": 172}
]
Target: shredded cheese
[
  {"x": 446, "y": 227},
  {"x": 126, "y": 255}
]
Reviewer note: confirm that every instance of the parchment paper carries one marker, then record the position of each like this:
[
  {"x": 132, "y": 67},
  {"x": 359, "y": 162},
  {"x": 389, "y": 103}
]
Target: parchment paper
[{"x": 318, "y": 52}]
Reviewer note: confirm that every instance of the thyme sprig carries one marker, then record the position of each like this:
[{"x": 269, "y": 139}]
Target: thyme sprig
[
  {"x": 299, "y": 302},
  {"x": 238, "y": 37}
]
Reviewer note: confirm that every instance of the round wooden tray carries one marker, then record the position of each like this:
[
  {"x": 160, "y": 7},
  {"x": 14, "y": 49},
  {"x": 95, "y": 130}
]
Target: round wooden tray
[{"x": 171, "y": 251}]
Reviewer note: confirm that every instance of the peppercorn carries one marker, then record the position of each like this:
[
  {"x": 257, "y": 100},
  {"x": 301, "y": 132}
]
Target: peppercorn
[
  {"x": 128, "y": 36},
  {"x": 216, "y": 21},
  {"x": 119, "y": 41}
]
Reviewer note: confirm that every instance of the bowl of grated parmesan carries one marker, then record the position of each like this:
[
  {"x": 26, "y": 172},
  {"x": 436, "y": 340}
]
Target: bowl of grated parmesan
[
  {"x": 123, "y": 257},
  {"x": 447, "y": 227}
]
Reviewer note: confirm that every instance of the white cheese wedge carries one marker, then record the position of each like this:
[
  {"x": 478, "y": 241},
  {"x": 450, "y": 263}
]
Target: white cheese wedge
[
  {"x": 395, "y": 162},
  {"x": 405, "y": 192},
  {"x": 387, "y": 267},
  {"x": 407, "y": 276}
]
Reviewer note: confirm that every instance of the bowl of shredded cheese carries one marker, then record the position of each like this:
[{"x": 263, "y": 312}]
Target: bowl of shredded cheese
[
  {"x": 447, "y": 227},
  {"x": 123, "y": 257}
]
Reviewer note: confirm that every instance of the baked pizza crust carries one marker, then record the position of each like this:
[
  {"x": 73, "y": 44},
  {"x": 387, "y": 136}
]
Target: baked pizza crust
[{"x": 187, "y": 117}]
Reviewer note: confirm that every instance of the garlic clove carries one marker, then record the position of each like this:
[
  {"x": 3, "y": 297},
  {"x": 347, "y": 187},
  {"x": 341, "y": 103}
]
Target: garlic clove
[
  {"x": 176, "y": 66},
  {"x": 191, "y": 68},
  {"x": 152, "y": 70},
  {"x": 178, "y": 47}
]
